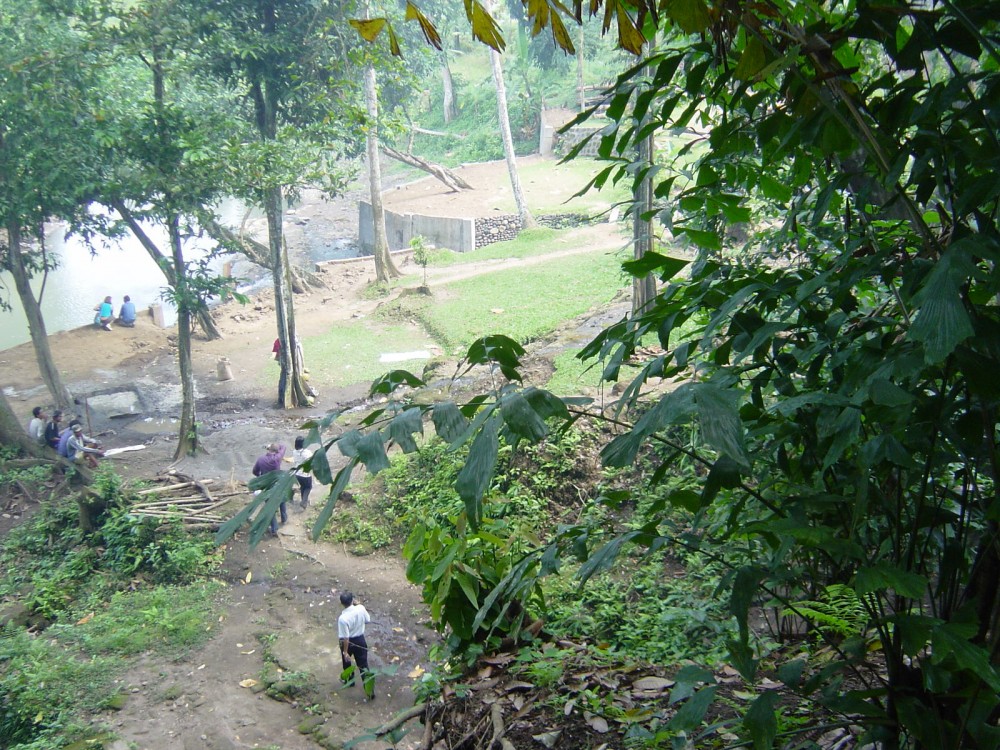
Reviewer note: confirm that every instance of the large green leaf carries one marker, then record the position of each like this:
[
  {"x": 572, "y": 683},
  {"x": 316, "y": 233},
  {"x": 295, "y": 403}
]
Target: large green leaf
[
  {"x": 949, "y": 640},
  {"x": 760, "y": 721},
  {"x": 521, "y": 418},
  {"x": 720, "y": 421},
  {"x": 449, "y": 422},
  {"x": 674, "y": 407},
  {"x": 371, "y": 451},
  {"x": 884, "y": 577},
  {"x": 404, "y": 425},
  {"x": 476, "y": 475},
  {"x": 942, "y": 322},
  {"x": 664, "y": 266},
  {"x": 389, "y": 382},
  {"x": 691, "y": 15},
  {"x": 339, "y": 485},
  {"x": 498, "y": 350}
]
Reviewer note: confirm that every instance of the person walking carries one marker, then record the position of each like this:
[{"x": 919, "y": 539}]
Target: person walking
[
  {"x": 300, "y": 455},
  {"x": 271, "y": 461},
  {"x": 351, "y": 632}
]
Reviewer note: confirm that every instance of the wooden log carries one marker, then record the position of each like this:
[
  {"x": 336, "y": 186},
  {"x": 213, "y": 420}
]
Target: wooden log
[{"x": 168, "y": 488}]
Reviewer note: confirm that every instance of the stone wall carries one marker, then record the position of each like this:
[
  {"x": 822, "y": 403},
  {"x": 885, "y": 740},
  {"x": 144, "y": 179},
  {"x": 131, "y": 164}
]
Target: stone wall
[
  {"x": 497, "y": 229},
  {"x": 564, "y": 142}
]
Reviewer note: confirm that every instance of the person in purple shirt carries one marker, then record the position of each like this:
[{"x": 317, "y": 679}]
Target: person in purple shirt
[{"x": 271, "y": 461}]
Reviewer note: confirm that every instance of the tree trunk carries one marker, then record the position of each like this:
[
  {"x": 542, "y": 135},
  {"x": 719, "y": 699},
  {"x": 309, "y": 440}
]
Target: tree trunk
[
  {"x": 13, "y": 434},
  {"x": 579, "y": 70},
  {"x": 187, "y": 436},
  {"x": 524, "y": 214},
  {"x": 385, "y": 269},
  {"x": 448, "y": 87},
  {"x": 301, "y": 280},
  {"x": 444, "y": 174},
  {"x": 36, "y": 323},
  {"x": 644, "y": 288},
  {"x": 204, "y": 317}
]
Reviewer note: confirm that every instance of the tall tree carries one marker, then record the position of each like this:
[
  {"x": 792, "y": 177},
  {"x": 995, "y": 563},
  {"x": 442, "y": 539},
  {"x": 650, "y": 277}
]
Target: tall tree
[
  {"x": 48, "y": 149},
  {"x": 169, "y": 166},
  {"x": 274, "y": 52},
  {"x": 523, "y": 211},
  {"x": 385, "y": 268}
]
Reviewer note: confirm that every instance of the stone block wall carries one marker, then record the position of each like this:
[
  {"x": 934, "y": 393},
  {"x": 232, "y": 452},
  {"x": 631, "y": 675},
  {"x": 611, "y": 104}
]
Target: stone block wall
[
  {"x": 497, "y": 229},
  {"x": 564, "y": 142}
]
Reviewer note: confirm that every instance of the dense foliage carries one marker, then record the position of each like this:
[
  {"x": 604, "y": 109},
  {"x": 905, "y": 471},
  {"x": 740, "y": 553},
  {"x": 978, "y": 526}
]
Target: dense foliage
[
  {"x": 100, "y": 597},
  {"x": 833, "y": 371}
]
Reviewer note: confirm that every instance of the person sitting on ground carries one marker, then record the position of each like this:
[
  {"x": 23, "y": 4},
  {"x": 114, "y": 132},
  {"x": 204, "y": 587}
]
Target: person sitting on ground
[
  {"x": 299, "y": 457},
  {"x": 36, "y": 427},
  {"x": 271, "y": 461},
  {"x": 65, "y": 435},
  {"x": 81, "y": 449},
  {"x": 126, "y": 316},
  {"x": 53, "y": 430},
  {"x": 105, "y": 314}
]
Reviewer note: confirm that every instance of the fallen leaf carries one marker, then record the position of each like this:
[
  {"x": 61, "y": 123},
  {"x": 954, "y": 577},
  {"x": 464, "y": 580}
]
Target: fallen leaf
[
  {"x": 597, "y": 723},
  {"x": 517, "y": 702},
  {"x": 248, "y": 682},
  {"x": 769, "y": 684},
  {"x": 548, "y": 739},
  {"x": 249, "y": 576},
  {"x": 512, "y": 686},
  {"x": 652, "y": 683},
  {"x": 85, "y": 619},
  {"x": 395, "y": 658},
  {"x": 568, "y": 708},
  {"x": 416, "y": 672},
  {"x": 398, "y": 630},
  {"x": 201, "y": 667},
  {"x": 496, "y": 310},
  {"x": 247, "y": 653}
]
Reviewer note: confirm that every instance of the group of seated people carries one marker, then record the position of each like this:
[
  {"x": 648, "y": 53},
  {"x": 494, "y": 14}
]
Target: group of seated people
[
  {"x": 106, "y": 314},
  {"x": 69, "y": 441}
]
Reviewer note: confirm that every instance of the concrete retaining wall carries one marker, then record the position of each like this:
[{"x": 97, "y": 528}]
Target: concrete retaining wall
[{"x": 441, "y": 231}]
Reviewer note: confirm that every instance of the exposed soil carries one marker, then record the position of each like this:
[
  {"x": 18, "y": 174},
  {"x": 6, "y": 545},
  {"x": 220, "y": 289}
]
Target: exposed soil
[{"x": 286, "y": 588}]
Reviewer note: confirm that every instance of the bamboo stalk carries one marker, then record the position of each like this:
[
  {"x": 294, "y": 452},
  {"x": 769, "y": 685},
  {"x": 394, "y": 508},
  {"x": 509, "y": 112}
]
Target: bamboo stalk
[{"x": 169, "y": 487}]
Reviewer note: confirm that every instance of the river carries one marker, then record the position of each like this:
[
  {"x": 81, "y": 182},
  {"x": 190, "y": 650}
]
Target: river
[{"x": 83, "y": 279}]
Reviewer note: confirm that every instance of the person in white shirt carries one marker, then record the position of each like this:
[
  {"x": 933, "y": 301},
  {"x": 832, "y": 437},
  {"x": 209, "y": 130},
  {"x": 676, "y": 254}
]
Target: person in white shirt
[
  {"x": 299, "y": 457},
  {"x": 36, "y": 427},
  {"x": 351, "y": 631}
]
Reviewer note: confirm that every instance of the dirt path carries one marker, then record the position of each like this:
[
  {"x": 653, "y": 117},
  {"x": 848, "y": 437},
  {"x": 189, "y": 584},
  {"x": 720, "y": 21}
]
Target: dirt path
[{"x": 283, "y": 619}]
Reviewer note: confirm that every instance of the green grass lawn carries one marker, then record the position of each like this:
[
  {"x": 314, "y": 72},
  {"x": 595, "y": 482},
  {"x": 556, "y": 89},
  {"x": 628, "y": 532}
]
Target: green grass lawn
[
  {"x": 523, "y": 303},
  {"x": 529, "y": 243},
  {"x": 349, "y": 353}
]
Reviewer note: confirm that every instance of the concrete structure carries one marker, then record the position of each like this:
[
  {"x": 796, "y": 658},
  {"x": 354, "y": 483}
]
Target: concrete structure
[{"x": 441, "y": 231}]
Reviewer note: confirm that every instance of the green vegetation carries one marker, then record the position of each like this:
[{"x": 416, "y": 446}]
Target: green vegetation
[
  {"x": 349, "y": 353},
  {"x": 101, "y": 598},
  {"x": 546, "y": 295}
]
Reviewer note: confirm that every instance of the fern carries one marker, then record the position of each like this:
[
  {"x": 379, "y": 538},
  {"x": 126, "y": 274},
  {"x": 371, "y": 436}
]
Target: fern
[{"x": 839, "y": 611}]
